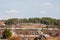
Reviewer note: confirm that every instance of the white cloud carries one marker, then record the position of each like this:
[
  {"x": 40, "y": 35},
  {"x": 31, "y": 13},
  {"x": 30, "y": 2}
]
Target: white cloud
[
  {"x": 43, "y": 12},
  {"x": 47, "y": 4},
  {"x": 12, "y": 11}
]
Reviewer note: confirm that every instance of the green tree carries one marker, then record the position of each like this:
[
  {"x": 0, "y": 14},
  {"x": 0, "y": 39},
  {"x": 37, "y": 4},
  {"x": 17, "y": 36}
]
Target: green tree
[
  {"x": 6, "y": 34},
  {"x": 11, "y": 21}
]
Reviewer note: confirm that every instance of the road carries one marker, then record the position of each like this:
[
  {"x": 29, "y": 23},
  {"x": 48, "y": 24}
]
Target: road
[{"x": 34, "y": 28}]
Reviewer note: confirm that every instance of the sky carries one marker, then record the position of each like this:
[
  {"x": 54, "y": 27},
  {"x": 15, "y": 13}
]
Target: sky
[{"x": 29, "y": 8}]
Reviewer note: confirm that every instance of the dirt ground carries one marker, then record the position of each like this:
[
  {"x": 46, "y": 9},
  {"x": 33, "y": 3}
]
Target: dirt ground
[{"x": 53, "y": 38}]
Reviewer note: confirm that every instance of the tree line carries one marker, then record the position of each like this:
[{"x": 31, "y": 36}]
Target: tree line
[{"x": 43, "y": 20}]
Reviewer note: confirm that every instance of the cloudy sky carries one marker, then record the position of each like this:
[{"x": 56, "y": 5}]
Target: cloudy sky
[{"x": 29, "y": 8}]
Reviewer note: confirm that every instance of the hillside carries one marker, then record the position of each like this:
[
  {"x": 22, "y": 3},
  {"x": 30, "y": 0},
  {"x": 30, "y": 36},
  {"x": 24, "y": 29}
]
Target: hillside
[{"x": 44, "y": 20}]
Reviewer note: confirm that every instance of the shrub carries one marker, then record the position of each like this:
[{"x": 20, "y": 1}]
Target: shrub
[
  {"x": 6, "y": 34},
  {"x": 14, "y": 38}
]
